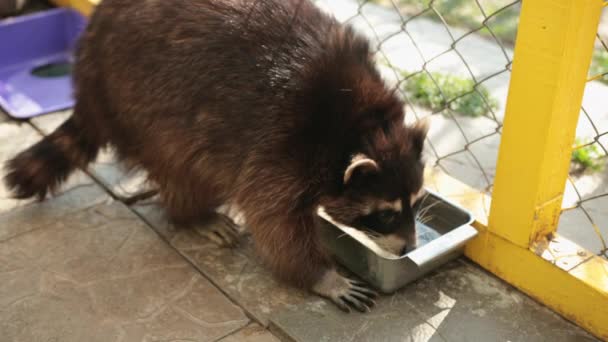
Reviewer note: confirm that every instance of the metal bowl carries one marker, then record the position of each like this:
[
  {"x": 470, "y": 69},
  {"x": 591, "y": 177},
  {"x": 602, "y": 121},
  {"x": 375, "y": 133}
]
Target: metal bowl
[{"x": 440, "y": 239}]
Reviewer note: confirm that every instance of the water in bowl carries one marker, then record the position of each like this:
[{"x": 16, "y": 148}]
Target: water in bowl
[{"x": 425, "y": 234}]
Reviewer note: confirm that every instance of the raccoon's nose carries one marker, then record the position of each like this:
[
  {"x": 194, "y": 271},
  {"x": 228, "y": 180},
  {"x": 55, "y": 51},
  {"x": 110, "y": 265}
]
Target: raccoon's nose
[{"x": 404, "y": 250}]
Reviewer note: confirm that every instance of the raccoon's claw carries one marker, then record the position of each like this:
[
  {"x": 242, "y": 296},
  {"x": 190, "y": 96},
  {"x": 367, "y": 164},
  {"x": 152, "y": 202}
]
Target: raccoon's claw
[
  {"x": 344, "y": 292},
  {"x": 232, "y": 212},
  {"x": 223, "y": 232}
]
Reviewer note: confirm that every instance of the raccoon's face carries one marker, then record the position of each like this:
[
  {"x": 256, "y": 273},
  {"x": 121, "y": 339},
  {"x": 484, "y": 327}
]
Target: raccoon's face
[{"x": 381, "y": 186}]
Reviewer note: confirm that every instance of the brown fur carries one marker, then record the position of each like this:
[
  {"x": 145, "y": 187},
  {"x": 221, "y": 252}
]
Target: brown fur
[{"x": 261, "y": 103}]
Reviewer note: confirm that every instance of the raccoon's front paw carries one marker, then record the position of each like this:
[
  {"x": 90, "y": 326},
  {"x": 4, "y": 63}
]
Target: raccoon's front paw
[
  {"x": 222, "y": 232},
  {"x": 344, "y": 292}
]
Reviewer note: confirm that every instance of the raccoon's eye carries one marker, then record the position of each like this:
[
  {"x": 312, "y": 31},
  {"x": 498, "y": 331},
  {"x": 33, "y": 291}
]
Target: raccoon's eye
[
  {"x": 387, "y": 215},
  {"x": 380, "y": 222}
]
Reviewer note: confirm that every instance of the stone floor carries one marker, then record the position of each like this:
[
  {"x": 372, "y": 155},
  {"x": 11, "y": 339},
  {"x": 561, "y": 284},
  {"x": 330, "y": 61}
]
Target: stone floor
[{"x": 91, "y": 264}]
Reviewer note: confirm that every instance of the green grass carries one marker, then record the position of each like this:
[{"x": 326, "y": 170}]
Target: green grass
[
  {"x": 599, "y": 65},
  {"x": 588, "y": 157},
  {"x": 466, "y": 14},
  {"x": 422, "y": 91}
]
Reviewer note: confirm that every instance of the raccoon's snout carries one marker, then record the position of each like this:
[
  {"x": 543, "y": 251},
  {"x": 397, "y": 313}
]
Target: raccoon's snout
[
  {"x": 392, "y": 243},
  {"x": 408, "y": 235}
]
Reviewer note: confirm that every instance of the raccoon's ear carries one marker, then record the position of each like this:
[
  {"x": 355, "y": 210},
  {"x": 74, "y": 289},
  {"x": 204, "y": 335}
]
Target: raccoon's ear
[
  {"x": 360, "y": 163},
  {"x": 419, "y": 132}
]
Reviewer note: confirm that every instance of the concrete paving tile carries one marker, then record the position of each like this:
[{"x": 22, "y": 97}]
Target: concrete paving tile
[
  {"x": 465, "y": 303},
  {"x": 100, "y": 274},
  {"x": 237, "y": 271},
  {"x": 124, "y": 185},
  {"x": 575, "y": 225},
  {"x": 251, "y": 333},
  {"x": 446, "y": 139},
  {"x": 319, "y": 321},
  {"x": 15, "y": 137},
  {"x": 456, "y": 303},
  {"x": 47, "y": 123}
]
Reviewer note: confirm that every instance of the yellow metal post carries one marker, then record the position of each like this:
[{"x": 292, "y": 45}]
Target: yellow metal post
[
  {"x": 551, "y": 61},
  {"x": 552, "y": 56},
  {"x": 86, "y": 7}
]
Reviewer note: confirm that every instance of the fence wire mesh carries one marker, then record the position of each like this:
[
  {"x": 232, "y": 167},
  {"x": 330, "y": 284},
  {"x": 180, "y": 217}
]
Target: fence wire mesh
[
  {"x": 585, "y": 214},
  {"x": 450, "y": 59}
]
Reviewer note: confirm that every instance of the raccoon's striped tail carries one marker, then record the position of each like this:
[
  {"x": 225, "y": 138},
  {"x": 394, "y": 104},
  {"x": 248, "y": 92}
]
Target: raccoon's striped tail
[{"x": 45, "y": 165}]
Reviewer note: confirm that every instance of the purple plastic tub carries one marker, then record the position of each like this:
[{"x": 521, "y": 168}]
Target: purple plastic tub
[{"x": 36, "y": 54}]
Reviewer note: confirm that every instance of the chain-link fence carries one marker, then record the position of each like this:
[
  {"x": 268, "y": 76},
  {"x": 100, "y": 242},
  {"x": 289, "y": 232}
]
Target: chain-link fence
[
  {"x": 585, "y": 215},
  {"x": 452, "y": 59}
]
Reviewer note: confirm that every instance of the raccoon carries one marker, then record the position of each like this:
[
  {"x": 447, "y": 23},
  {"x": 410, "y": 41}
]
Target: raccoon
[
  {"x": 11, "y": 7},
  {"x": 269, "y": 106}
]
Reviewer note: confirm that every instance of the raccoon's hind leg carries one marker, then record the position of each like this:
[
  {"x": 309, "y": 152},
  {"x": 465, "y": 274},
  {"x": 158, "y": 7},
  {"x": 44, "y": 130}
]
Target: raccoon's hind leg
[
  {"x": 199, "y": 210},
  {"x": 291, "y": 247},
  {"x": 234, "y": 213},
  {"x": 222, "y": 231},
  {"x": 227, "y": 227}
]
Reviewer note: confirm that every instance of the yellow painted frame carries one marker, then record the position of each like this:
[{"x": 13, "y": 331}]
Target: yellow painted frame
[
  {"x": 85, "y": 7},
  {"x": 552, "y": 57},
  {"x": 518, "y": 242}
]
